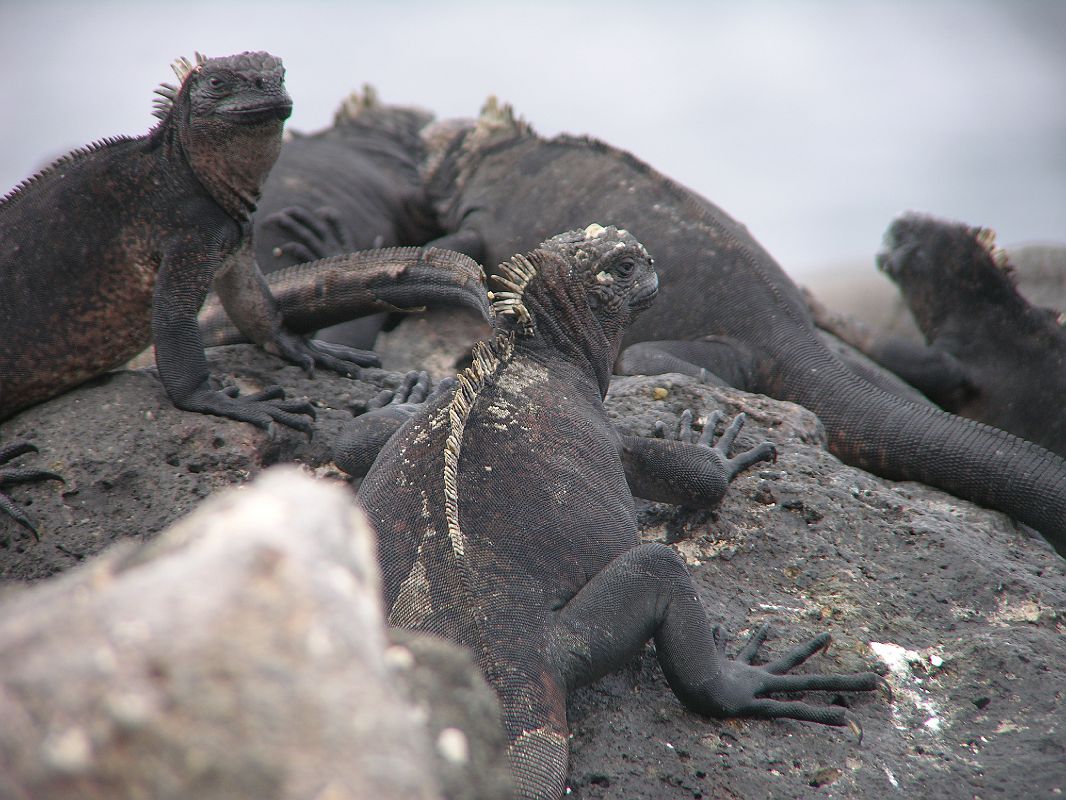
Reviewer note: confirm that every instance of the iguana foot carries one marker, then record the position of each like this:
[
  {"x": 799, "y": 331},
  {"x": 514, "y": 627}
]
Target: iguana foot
[
  {"x": 412, "y": 392},
  {"x": 261, "y": 409},
  {"x": 314, "y": 234},
  {"x": 309, "y": 353},
  {"x": 20, "y": 475},
  {"x": 359, "y": 443},
  {"x": 764, "y": 451},
  {"x": 740, "y": 689}
]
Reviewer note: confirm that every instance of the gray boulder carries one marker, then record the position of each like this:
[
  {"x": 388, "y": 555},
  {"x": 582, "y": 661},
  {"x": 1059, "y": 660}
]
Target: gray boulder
[{"x": 240, "y": 654}]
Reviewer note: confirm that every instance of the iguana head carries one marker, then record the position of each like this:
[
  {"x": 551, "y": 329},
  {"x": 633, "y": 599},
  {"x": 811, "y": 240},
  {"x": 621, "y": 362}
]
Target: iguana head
[
  {"x": 578, "y": 292},
  {"x": 227, "y": 114},
  {"x": 924, "y": 254}
]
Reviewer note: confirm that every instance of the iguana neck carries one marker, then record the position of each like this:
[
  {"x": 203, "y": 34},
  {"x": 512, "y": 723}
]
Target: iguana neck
[
  {"x": 565, "y": 325},
  {"x": 232, "y": 160}
]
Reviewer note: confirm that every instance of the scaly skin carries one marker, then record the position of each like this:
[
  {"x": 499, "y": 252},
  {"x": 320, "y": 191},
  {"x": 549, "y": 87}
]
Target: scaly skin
[
  {"x": 506, "y": 520},
  {"x": 118, "y": 243},
  {"x": 344, "y": 287},
  {"x": 725, "y": 307},
  {"x": 991, "y": 355}
]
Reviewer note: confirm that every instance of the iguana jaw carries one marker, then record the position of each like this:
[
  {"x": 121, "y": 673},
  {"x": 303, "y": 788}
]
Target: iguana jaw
[
  {"x": 251, "y": 115},
  {"x": 645, "y": 293}
]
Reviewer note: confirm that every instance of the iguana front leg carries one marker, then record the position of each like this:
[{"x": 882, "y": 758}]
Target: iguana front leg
[
  {"x": 20, "y": 475},
  {"x": 180, "y": 289},
  {"x": 359, "y": 443},
  {"x": 688, "y": 470},
  {"x": 647, "y": 592}
]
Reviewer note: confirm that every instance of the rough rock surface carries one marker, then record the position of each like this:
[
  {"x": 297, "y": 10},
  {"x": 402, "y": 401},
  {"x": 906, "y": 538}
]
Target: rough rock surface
[
  {"x": 134, "y": 463},
  {"x": 963, "y": 610},
  {"x": 240, "y": 654}
]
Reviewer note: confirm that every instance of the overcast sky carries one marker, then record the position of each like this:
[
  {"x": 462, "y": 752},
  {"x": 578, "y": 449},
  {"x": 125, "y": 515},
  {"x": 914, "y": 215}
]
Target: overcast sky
[{"x": 814, "y": 123}]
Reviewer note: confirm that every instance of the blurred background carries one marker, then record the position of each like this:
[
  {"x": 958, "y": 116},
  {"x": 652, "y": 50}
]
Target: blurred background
[{"x": 813, "y": 122}]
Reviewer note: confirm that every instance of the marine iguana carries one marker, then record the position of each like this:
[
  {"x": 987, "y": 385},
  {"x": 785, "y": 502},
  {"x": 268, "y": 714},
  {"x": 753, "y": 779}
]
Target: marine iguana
[
  {"x": 353, "y": 186},
  {"x": 726, "y": 307},
  {"x": 116, "y": 244},
  {"x": 991, "y": 356},
  {"x": 506, "y": 520}
]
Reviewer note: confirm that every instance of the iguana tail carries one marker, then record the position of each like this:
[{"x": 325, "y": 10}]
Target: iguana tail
[
  {"x": 332, "y": 290},
  {"x": 899, "y": 440}
]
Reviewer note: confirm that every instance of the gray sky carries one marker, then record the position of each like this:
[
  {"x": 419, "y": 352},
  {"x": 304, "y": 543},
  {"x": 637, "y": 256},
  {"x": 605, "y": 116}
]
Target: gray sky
[{"x": 814, "y": 123}]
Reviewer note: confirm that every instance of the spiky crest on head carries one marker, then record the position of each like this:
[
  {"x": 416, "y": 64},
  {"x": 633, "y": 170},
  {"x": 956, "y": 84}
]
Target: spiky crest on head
[
  {"x": 453, "y": 147},
  {"x": 246, "y": 62},
  {"x": 364, "y": 111},
  {"x": 167, "y": 92},
  {"x": 986, "y": 238},
  {"x": 496, "y": 122},
  {"x": 507, "y": 304}
]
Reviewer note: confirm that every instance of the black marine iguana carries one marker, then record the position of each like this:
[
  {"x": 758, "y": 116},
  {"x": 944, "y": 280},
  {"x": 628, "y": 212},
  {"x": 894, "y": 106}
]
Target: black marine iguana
[
  {"x": 353, "y": 186},
  {"x": 506, "y": 519},
  {"x": 725, "y": 307},
  {"x": 991, "y": 356}
]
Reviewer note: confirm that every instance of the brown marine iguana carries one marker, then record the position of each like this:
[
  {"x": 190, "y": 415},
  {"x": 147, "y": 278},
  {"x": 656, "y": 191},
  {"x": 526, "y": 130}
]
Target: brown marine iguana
[
  {"x": 353, "y": 186},
  {"x": 991, "y": 355},
  {"x": 116, "y": 244},
  {"x": 506, "y": 521},
  {"x": 725, "y": 308}
]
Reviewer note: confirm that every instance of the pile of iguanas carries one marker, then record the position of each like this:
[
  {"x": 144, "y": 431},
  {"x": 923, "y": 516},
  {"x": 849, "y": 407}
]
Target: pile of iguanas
[{"x": 503, "y": 499}]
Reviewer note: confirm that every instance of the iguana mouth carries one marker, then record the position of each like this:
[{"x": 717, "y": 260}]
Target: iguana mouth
[
  {"x": 254, "y": 114},
  {"x": 892, "y": 259},
  {"x": 645, "y": 293}
]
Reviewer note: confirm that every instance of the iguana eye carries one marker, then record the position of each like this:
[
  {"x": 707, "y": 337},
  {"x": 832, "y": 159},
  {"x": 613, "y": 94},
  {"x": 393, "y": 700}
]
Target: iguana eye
[
  {"x": 625, "y": 267},
  {"x": 214, "y": 82}
]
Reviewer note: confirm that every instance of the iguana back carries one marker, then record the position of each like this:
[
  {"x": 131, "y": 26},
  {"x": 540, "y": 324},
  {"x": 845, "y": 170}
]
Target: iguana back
[
  {"x": 725, "y": 306},
  {"x": 506, "y": 519}
]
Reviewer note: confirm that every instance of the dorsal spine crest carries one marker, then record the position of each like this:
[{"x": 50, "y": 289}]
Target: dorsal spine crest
[
  {"x": 514, "y": 277},
  {"x": 356, "y": 103},
  {"x": 486, "y": 360}
]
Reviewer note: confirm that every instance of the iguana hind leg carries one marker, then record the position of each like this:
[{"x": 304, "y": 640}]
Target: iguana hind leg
[
  {"x": 647, "y": 592},
  {"x": 20, "y": 475}
]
